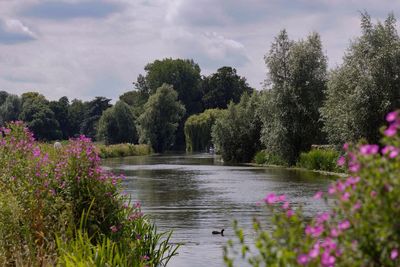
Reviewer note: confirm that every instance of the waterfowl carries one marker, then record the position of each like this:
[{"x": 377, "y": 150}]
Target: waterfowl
[{"x": 218, "y": 232}]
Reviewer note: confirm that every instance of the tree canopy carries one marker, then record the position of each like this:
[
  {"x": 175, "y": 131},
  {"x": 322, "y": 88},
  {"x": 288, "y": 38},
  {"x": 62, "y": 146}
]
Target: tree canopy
[{"x": 160, "y": 119}]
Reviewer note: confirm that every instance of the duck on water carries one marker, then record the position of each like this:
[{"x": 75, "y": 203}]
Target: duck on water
[{"x": 218, "y": 232}]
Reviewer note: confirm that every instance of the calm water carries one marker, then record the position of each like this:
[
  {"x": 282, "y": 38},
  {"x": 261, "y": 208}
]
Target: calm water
[{"x": 195, "y": 194}]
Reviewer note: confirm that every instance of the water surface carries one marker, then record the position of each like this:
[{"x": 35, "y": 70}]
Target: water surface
[{"x": 196, "y": 194}]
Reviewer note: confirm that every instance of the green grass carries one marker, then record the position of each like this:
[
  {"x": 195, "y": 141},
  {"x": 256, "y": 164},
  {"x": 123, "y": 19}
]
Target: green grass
[
  {"x": 320, "y": 159},
  {"x": 123, "y": 150}
]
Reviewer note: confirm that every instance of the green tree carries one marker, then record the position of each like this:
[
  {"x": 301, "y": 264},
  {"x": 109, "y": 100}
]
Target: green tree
[
  {"x": 76, "y": 113},
  {"x": 10, "y": 109},
  {"x": 159, "y": 121},
  {"x": 366, "y": 86},
  {"x": 60, "y": 109},
  {"x": 198, "y": 130},
  {"x": 93, "y": 112},
  {"x": 38, "y": 116},
  {"x": 236, "y": 133},
  {"x": 136, "y": 99},
  {"x": 117, "y": 125},
  {"x": 290, "y": 110},
  {"x": 3, "y": 96},
  {"x": 222, "y": 87}
]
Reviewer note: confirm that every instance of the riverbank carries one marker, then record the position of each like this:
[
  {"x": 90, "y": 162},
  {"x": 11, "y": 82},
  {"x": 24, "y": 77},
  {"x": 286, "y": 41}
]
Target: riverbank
[
  {"x": 123, "y": 150},
  {"x": 325, "y": 173}
]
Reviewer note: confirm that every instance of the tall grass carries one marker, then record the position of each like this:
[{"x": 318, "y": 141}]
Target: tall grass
[
  {"x": 320, "y": 159},
  {"x": 123, "y": 150},
  {"x": 264, "y": 157}
]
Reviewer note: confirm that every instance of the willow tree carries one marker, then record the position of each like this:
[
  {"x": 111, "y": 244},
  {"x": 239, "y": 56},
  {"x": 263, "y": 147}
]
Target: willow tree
[
  {"x": 198, "y": 130},
  {"x": 158, "y": 123},
  {"x": 297, "y": 78},
  {"x": 366, "y": 86}
]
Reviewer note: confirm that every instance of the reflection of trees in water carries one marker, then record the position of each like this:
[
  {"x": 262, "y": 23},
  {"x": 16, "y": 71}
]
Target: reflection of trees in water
[{"x": 165, "y": 190}]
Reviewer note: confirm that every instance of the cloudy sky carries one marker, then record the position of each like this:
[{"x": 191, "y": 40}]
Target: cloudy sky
[{"x": 87, "y": 48}]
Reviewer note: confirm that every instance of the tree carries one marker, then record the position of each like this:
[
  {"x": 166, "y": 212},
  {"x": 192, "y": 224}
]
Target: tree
[
  {"x": 3, "y": 96},
  {"x": 222, "y": 87},
  {"x": 159, "y": 121},
  {"x": 10, "y": 109},
  {"x": 366, "y": 86},
  {"x": 290, "y": 111},
  {"x": 76, "y": 113},
  {"x": 60, "y": 109},
  {"x": 198, "y": 130},
  {"x": 117, "y": 125},
  {"x": 93, "y": 112},
  {"x": 39, "y": 118},
  {"x": 136, "y": 99},
  {"x": 236, "y": 133}
]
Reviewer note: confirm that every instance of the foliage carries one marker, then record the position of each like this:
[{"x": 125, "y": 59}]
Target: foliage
[
  {"x": 366, "y": 86},
  {"x": 60, "y": 110},
  {"x": 361, "y": 229},
  {"x": 94, "y": 110},
  {"x": 236, "y": 133},
  {"x": 264, "y": 157},
  {"x": 76, "y": 112},
  {"x": 117, "y": 125},
  {"x": 123, "y": 150},
  {"x": 136, "y": 99},
  {"x": 10, "y": 109},
  {"x": 39, "y": 117},
  {"x": 198, "y": 130},
  {"x": 290, "y": 116},
  {"x": 159, "y": 121},
  {"x": 320, "y": 159},
  {"x": 222, "y": 87},
  {"x": 43, "y": 193}
]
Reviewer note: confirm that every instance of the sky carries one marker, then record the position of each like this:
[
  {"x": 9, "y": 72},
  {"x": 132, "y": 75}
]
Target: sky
[{"x": 87, "y": 48}]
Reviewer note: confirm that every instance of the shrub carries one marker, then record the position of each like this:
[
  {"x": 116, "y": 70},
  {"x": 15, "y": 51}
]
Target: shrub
[
  {"x": 319, "y": 159},
  {"x": 44, "y": 192},
  {"x": 361, "y": 229},
  {"x": 264, "y": 157},
  {"x": 123, "y": 150}
]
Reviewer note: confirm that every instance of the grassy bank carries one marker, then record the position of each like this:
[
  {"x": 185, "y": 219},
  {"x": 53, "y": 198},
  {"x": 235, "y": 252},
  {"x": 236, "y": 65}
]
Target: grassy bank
[
  {"x": 123, "y": 150},
  {"x": 59, "y": 208},
  {"x": 323, "y": 161}
]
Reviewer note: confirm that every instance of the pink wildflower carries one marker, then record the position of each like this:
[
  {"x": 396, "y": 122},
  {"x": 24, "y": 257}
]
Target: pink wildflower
[
  {"x": 394, "y": 254},
  {"x": 270, "y": 199},
  {"x": 318, "y": 195},
  {"x": 373, "y": 194},
  {"x": 344, "y": 225},
  {"x": 391, "y": 131},
  {"x": 285, "y": 205},
  {"x": 302, "y": 259},
  {"x": 341, "y": 161},
  {"x": 114, "y": 229},
  {"x": 327, "y": 259},
  {"x": 345, "y": 146},
  {"x": 335, "y": 232},
  {"x": 289, "y": 213},
  {"x": 313, "y": 253},
  {"x": 391, "y": 116}
]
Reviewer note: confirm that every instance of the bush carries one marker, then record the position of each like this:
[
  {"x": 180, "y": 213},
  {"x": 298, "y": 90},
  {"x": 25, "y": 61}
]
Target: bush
[
  {"x": 264, "y": 157},
  {"x": 44, "y": 192},
  {"x": 361, "y": 229},
  {"x": 123, "y": 150},
  {"x": 320, "y": 159}
]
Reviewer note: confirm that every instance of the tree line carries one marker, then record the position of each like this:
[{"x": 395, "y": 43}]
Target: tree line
[{"x": 303, "y": 103}]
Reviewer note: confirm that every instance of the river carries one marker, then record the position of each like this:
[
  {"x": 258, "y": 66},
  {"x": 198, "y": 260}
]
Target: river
[{"x": 196, "y": 194}]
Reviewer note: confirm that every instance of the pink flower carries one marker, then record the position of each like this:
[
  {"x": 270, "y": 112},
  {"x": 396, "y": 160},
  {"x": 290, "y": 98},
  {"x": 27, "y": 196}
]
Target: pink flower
[
  {"x": 373, "y": 194},
  {"x": 341, "y": 161},
  {"x": 345, "y": 196},
  {"x": 354, "y": 167},
  {"x": 318, "y": 195},
  {"x": 323, "y": 217},
  {"x": 391, "y": 131},
  {"x": 357, "y": 206},
  {"x": 345, "y": 146},
  {"x": 281, "y": 198},
  {"x": 393, "y": 154},
  {"x": 289, "y": 213},
  {"x": 302, "y": 259},
  {"x": 327, "y": 259},
  {"x": 335, "y": 232},
  {"x": 36, "y": 152},
  {"x": 285, "y": 205},
  {"x": 331, "y": 190},
  {"x": 344, "y": 225},
  {"x": 313, "y": 253},
  {"x": 391, "y": 116},
  {"x": 270, "y": 199},
  {"x": 114, "y": 229},
  {"x": 394, "y": 254}
]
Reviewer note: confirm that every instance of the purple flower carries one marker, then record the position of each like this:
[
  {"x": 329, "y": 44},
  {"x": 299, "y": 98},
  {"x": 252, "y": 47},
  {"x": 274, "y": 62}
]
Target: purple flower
[
  {"x": 394, "y": 254},
  {"x": 343, "y": 225},
  {"x": 391, "y": 131},
  {"x": 36, "y": 152},
  {"x": 318, "y": 195},
  {"x": 391, "y": 116},
  {"x": 327, "y": 259},
  {"x": 289, "y": 213},
  {"x": 341, "y": 161},
  {"x": 302, "y": 259},
  {"x": 313, "y": 253},
  {"x": 270, "y": 199}
]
